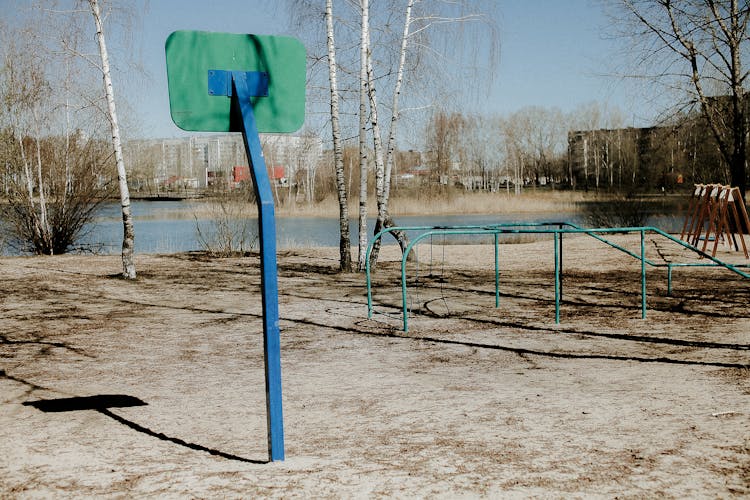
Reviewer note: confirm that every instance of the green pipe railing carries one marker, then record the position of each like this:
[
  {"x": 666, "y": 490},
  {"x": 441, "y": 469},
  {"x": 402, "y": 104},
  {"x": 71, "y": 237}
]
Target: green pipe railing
[
  {"x": 543, "y": 228},
  {"x": 477, "y": 230}
]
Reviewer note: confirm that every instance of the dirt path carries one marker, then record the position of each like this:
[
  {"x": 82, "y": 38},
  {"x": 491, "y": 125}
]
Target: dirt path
[{"x": 472, "y": 401}]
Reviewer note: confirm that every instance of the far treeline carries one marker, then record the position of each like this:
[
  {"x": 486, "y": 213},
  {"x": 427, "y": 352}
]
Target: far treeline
[
  {"x": 543, "y": 148},
  {"x": 380, "y": 74}
]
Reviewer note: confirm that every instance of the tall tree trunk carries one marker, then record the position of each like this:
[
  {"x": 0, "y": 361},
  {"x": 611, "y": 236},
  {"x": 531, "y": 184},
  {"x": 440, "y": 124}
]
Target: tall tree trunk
[
  {"x": 29, "y": 187},
  {"x": 734, "y": 33},
  {"x": 377, "y": 144},
  {"x": 363, "y": 157},
  {"x": 128, "y": 238},
  {"x": 376, "y": 138},
  {"x": 345, "y": 254},
  {"x": 739, "y": 125},
  {"x": 714, "y": 40},
  {"x": 43, "y": 218},
  {"x": 385, "y": 193}
]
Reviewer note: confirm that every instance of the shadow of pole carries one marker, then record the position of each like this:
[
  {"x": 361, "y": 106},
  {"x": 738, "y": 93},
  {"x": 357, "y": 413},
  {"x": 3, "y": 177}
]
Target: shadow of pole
[
  {"x": 102, "y": 403},
  {"x": 177, "y": 441}
]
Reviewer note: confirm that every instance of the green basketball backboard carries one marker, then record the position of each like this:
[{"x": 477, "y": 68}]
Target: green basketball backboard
[{"x": 191, "y": 55}]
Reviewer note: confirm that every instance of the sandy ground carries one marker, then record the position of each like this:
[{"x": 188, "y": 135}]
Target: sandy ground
[{"x": 473, "y": 401}]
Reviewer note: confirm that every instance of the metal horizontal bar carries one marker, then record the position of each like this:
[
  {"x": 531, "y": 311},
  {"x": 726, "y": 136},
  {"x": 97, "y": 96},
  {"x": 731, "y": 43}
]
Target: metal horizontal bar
[{"x": 539, "y": 228}]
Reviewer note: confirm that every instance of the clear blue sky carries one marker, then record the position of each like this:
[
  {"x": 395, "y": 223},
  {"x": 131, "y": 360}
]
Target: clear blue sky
[
  {"x": 556, "y": 53},
  {"x": 552, "y": 53}
]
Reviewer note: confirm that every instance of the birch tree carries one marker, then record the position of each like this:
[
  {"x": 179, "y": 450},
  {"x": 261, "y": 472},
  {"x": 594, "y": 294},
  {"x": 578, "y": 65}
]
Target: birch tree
[
  {"x": 383, "y": 161},
  {"x": 345, "y": 255},
  {"x": 377, "y": 57},
  {"x": 383, "y": 169},
  {"x": 363, "y": 156},
  {"x": 414, "y": 33},
  {"x": 128, "y": 239}
]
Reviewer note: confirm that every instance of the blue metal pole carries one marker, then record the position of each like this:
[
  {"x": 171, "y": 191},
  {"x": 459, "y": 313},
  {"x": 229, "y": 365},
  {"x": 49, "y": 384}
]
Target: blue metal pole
[{"x": 241, "y": 95}]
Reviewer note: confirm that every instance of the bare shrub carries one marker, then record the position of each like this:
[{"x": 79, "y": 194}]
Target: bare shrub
[
  {"x": 229, "y": 227},
  {"x": 71, "y": 181}
]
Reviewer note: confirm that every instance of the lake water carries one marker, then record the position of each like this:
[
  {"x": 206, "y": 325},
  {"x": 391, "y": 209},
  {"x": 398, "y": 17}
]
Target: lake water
[{"x": 171, "y": 226}]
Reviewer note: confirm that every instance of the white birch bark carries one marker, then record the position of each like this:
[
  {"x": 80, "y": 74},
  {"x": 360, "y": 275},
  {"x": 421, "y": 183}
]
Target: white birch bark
[
  {"x": 43, "y": 220},
  {"x": 376, "y": 138},
  {"x": 29, "y": 186},
  {"x": 128, "y": 239},
  {"x": 383, "y": 171},
  {"x": 391, "y": 148},
  {"x": 345, "y": 257},
  {"x": 363, "y": 156}
]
